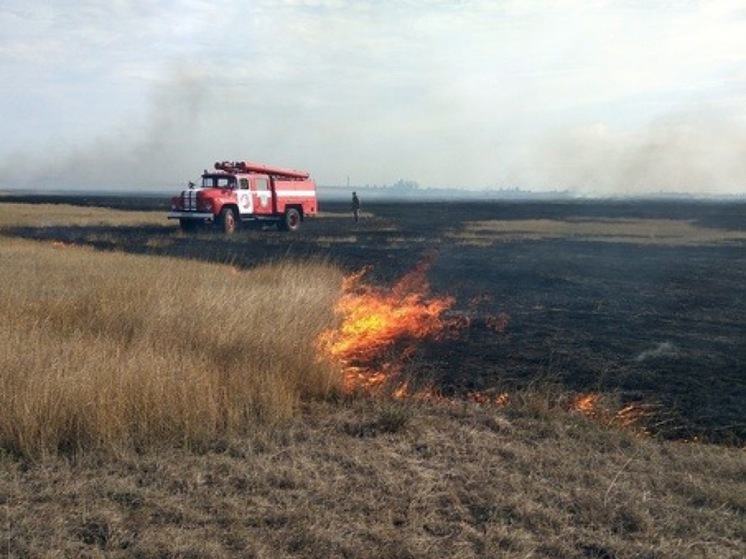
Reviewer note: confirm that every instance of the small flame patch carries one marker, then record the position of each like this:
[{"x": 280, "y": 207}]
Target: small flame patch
[
  {"x": 378, "y": 327},
  {"x": 592, "y": 406}
]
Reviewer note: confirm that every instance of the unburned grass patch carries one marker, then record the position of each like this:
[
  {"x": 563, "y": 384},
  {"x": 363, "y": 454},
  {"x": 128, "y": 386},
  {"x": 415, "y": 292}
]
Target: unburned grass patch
[
  {"x": 621, "y": 230},
  {"x": 112, "y": 349},
  {"x": 48, "y": 215}
]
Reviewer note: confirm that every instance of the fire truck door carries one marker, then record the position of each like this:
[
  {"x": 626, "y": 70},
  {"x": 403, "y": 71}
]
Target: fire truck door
[
  {"x": 245, "y": 198},
  {"x": 262, "y": 195}
]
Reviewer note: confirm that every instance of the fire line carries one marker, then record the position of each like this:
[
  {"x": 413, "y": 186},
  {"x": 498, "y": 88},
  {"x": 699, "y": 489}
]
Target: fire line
[
  {"x": 379, "y": 325},
  {"x": 379, "y": 328}
]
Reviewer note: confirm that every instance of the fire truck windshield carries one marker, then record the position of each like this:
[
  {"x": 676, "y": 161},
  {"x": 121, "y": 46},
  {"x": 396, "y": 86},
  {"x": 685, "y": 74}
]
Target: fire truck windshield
[{"x": 222, "y": 181}]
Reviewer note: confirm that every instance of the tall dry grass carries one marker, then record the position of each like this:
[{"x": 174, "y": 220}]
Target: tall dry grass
[{"x": 115, "y": 350}]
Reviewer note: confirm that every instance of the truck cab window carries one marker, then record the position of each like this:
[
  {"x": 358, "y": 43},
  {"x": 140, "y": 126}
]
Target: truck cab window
[
  {"x": 244, "y": 184},
  {"x": 218, "y": 182}
]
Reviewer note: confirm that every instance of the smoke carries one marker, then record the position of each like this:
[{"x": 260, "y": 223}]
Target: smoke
[
  {"x": 700, "y": 152},
  {"x": 662, "y": 349},
  {"x": 145, "y": 151},
  {"x": 193, "y": 118},
  {"x": 474, "y": 94},
  {"x": 498, "y": 95}
]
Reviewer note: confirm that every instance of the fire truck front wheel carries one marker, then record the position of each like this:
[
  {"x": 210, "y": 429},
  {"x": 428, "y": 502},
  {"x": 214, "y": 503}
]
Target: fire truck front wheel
[
  {"x": 227, "y": 221},
  {"x": 188, "y": 225},
  {"x": 291, "y": 220}
]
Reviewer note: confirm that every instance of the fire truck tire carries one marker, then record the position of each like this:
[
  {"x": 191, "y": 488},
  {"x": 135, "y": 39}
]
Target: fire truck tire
[
  {"x": 228, "y": 221},
  {"x": 188, "y": 225},
  {"x": 291, "y": 220}
]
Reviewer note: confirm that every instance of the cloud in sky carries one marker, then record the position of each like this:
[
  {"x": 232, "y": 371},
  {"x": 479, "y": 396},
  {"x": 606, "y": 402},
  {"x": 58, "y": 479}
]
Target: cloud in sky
[{"x": 601, "y": 97}]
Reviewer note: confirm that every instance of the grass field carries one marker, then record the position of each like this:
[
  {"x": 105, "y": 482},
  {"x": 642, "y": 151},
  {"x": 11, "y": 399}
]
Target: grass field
[
  {"x": 161, "y": 395},
  {"x": 102, "y": 349}
]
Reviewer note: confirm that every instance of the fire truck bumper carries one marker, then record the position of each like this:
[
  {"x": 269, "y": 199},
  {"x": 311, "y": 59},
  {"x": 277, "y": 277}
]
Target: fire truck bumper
[{"x": 190, "y": 215}]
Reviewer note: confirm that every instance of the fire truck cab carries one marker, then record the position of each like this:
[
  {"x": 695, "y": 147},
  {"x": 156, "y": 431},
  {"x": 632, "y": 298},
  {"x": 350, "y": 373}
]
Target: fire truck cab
[{"x": 242, "y": 192}]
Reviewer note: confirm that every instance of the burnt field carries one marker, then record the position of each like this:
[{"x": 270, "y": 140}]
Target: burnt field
[{"x": 642, "y": 301}]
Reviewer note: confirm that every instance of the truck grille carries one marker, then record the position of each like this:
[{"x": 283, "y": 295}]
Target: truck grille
[{"x": 189, "y": 200}]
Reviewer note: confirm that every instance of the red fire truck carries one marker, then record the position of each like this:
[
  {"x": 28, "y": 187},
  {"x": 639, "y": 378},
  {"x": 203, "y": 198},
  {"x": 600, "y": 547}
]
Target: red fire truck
[{"x": 242, "y": 192}]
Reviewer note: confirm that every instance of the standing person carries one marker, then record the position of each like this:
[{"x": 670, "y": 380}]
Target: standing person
[{"x": 355, "y": 205}]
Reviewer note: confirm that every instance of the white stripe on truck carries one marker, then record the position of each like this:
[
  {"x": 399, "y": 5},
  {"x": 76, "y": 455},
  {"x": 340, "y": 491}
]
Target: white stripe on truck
[{"x": 289, "y": 193}]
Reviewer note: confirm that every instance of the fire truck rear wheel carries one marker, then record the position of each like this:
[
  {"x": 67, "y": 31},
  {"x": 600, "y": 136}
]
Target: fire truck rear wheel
[
  {"x": 228, "y": 220},
  {"x": 292, "y": 220}
]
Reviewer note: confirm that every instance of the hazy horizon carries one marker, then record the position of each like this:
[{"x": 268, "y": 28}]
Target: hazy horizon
[
  {"x": 387, "y": 193},
  {"x": 599, "y": 98}
]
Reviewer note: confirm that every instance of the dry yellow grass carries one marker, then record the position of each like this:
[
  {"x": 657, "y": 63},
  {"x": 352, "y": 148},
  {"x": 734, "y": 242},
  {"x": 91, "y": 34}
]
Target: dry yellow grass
[
  {"x": 45, "y": 215},
  {"x": 362, "y": 479},
  {"x": 642, "y": 231},
  {"x": 107, "y": 349}
]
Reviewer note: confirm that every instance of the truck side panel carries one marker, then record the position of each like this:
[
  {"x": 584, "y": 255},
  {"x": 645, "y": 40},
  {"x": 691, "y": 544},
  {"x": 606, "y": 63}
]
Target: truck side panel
[{"x": 299, "y": 193}]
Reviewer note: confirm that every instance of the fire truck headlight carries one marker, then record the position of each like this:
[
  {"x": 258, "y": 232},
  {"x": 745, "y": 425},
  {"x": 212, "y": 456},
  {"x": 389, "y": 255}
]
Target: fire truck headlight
[
  {"x": 207, "y": 206},
  {"x": 174, "y": 206}
]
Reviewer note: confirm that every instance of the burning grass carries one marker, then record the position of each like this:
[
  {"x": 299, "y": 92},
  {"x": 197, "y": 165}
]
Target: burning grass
[
  {"x": 377, "y": 323},
  {"x": 379, "y": 329}
]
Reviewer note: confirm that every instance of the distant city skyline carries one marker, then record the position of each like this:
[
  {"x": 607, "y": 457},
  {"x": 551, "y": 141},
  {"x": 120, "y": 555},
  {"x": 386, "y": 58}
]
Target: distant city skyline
[{"x": 595, "y": 97}]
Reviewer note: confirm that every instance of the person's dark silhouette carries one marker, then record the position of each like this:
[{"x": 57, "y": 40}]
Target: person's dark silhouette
[{"x": 355, "y": 206}]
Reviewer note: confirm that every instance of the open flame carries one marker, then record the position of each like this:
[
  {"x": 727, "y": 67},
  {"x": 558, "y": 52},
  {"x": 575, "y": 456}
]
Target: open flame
[
  {"x": 378, "y": 327},
  {"x": 500, "y": 400},
  {"x": 592, "y": 405},
  {"x": 587, "y": 404}
]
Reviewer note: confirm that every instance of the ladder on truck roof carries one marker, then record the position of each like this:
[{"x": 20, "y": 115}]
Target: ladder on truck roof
[{"x": 247, "y": 167}]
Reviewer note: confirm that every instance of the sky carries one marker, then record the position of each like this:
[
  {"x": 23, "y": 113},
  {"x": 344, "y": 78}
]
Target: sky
[{"x": 598, "y": 98}]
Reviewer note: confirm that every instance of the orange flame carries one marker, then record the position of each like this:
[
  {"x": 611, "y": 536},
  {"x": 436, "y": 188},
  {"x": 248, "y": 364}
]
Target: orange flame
[
  {"x": 379, "y": 328},
  {"x": 586, "y": 404},
  {"x": 376, "y": 323},
  {"x": 590, "y": 405},
  {"x": 500, "y": 401}
]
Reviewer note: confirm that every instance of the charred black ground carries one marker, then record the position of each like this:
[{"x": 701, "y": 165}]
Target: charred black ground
[{"x": 657, "y": 323}]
